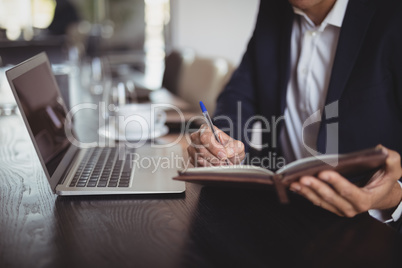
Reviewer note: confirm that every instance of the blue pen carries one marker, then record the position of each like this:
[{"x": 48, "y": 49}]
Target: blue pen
[{"x": 209, "y": 123}]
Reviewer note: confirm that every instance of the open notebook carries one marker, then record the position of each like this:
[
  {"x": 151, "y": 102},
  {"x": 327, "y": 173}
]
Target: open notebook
[{"x": 352, "y": 164}]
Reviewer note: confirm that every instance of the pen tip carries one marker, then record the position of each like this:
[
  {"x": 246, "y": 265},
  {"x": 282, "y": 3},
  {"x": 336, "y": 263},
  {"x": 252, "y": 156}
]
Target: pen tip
[{"x": 203, "y": 109}]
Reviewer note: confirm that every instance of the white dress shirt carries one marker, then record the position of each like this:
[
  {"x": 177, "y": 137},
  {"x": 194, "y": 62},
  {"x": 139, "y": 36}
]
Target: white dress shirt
[{"x": 313, "y": 50}]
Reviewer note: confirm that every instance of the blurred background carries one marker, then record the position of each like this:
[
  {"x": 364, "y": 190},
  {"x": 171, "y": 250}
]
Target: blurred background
[{"x": 189, "y": 47}]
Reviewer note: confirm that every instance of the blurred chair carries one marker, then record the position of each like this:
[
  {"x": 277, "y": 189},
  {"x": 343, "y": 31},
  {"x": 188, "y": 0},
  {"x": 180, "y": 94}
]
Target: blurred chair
[
  {"x": 171, "y": 75},
  {"x": 194, "y": 78},
  {"x": 65, "y": 15}
]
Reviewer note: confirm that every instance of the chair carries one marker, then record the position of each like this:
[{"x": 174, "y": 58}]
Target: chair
[
  {"x": 194, "y": 78},
  {"x": 171, "y": 75}
]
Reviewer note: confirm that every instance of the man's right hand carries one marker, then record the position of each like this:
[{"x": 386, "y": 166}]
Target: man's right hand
[{"x": 205, "y": 150}]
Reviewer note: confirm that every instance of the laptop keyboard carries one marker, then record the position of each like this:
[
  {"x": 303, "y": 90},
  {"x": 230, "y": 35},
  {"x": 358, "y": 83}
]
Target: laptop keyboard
[{"x": 101, "y": 167}]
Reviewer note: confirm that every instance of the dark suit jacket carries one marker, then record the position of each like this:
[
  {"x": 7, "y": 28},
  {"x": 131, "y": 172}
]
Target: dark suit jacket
[{"x": 366, "y": 78}]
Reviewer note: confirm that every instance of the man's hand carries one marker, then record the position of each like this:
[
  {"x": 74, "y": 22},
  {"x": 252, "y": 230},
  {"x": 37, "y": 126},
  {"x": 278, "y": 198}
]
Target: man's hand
[
  {"x": 333, "y": 192},
  {"x": 204, "y": 150}
]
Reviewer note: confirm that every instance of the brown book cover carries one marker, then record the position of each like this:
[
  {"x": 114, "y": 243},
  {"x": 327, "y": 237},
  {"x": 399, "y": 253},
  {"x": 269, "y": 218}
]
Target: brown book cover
[{"x": 350, "y": 164}]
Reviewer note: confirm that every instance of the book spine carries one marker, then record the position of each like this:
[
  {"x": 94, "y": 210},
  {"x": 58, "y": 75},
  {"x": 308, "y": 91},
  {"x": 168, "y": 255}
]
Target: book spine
[{"x": 280, "y": 189}]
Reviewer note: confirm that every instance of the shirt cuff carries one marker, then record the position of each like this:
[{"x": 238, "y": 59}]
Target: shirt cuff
[{"x": 395, "y": 216}]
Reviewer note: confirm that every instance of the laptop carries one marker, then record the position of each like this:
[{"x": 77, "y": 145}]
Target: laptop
[{"x": 72, "y": 170}]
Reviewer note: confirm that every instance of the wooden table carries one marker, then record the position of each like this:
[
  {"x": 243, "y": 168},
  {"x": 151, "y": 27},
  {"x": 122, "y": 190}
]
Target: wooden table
[{"x": 205, "y": 227}]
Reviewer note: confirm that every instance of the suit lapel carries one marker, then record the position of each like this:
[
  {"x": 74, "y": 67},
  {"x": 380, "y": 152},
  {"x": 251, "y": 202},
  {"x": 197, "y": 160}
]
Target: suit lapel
[{"x": 355, "y": 25}]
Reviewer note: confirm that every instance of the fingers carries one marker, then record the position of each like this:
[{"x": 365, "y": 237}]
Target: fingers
[
  {"x": 205, "y": 148},
  {"x": 382, "y": 191},
  {"x": 235, "y": 151},
  {"x": 206, "y": 139},
  {"x": 354, "y": 195},
  {"x": 202, "y": 157},
  {"x": 393, "y": 164},
  {"x": 391, "y": 172},
  {"x": 223, "y": 137},
  {"x": 314, "y": 198},
  {"x": 383, "y": 186},
  {"x": 343, "y": 198}
]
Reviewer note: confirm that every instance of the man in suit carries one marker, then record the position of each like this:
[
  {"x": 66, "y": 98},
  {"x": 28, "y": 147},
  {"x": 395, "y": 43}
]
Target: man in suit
[{"x": 323, "y": 76}]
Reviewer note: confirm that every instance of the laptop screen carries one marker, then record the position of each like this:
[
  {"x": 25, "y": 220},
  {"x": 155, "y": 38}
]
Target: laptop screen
[{"x": 45, "y": 112}]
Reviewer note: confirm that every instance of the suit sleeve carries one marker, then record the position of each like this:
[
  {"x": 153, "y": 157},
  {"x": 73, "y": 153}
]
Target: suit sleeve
[
  {"x": 236, "y": 104},
  {"x": 396, "y": 60}
]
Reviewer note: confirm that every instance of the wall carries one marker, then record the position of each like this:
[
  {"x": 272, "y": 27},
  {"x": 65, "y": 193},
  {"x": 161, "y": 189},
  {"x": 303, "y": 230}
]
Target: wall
[{"x": 213, "y": 27}]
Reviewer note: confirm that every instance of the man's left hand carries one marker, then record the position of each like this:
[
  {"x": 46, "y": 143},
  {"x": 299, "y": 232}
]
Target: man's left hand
[{"x": 335, "y": 193}]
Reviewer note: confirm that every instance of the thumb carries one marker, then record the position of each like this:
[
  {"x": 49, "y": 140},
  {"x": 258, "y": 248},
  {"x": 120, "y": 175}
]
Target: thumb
[
  {"x": 223, "y": 137},
  {"x": 234, "y": 148},
  {"x": 227, "y": 142}
]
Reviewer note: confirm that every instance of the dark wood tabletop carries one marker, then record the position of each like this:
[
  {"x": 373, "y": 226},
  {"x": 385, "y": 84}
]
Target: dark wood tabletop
[{"x": 205, "y": 227}]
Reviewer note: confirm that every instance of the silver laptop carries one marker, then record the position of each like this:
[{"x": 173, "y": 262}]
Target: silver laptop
[{"x": 71, "y": 170}]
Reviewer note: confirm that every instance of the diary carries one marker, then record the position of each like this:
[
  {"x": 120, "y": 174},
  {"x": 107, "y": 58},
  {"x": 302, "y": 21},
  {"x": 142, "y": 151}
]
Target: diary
[{"x": 351, "y": 164}]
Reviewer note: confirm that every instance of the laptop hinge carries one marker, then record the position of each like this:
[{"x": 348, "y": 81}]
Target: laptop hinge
[{"x": 67, "y": 171}]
